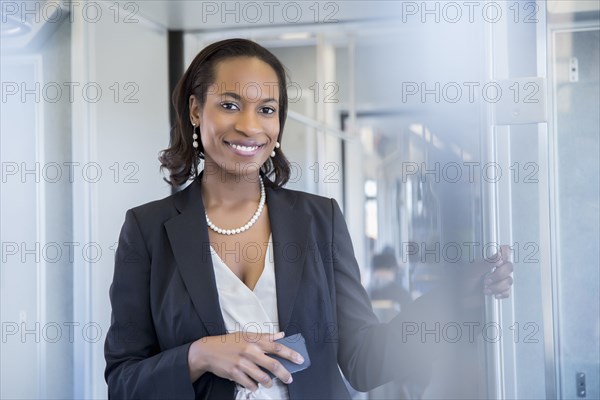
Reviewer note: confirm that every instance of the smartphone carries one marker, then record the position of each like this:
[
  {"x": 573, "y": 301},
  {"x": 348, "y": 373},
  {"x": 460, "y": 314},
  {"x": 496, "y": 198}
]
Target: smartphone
[{"x": 297, "y": 343}]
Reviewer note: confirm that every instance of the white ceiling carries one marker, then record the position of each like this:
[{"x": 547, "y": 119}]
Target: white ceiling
[
  {"x": 195, "y": 15},
  {"x": 216, "y": 15},
  {"x": 572, "y": 6}
]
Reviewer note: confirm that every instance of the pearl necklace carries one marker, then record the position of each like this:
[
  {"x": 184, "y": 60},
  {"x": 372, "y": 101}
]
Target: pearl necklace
[{"x": 254, "y": 218}]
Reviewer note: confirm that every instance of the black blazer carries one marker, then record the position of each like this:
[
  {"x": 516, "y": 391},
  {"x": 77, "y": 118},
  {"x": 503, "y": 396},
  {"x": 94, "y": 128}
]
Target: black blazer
[{"x": 164, "y": 297}]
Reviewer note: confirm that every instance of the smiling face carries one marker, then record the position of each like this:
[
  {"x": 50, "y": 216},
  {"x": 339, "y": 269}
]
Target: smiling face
[{"x": 239, "y": 122}]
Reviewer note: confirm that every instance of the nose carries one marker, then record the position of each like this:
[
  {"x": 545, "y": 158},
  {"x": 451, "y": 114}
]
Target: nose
[{"x": 248, "y": 123}]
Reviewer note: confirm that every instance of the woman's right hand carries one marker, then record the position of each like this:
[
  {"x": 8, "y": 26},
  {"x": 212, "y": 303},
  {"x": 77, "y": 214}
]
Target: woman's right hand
[{"x": 237, "y": 356}]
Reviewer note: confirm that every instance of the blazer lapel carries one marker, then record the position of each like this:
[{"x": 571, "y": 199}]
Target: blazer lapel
[
  {"x": 290, "y": 229},
  {"x": 188, "y": 235}
]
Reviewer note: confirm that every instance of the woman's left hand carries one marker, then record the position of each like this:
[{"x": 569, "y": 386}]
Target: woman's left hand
[
  {"x": 498, "y": 282},
  {"x": 492, "y": 276}
]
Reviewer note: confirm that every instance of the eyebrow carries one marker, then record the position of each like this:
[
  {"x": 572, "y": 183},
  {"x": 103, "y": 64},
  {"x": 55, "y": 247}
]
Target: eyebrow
[{"x": 239, "y": 98}]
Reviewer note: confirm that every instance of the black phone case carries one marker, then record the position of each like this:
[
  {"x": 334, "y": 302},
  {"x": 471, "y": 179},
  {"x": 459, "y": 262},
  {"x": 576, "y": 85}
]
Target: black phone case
[{"x": 297, "y": 343}]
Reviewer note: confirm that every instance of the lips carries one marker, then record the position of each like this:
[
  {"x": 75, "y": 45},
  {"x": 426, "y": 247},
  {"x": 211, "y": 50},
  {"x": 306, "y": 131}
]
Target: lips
[{"x": 245, "y": 148}]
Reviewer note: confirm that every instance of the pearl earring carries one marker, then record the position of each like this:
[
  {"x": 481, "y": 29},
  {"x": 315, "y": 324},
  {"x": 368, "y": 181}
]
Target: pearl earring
[
  {"x": 195, "y": 136},
  {"x": 276, "y": 147}
]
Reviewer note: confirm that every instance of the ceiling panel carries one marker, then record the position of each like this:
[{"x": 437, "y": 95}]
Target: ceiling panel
[{"x": 213, "y": 15}]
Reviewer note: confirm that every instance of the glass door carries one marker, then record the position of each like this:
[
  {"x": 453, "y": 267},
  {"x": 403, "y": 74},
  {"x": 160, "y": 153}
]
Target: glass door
[
  {"x": 545, "y": 139},
  {"x": 573, "y": 58}
]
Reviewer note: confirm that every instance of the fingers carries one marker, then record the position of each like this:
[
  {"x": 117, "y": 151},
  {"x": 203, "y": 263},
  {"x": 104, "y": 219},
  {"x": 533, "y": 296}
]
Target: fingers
[
  {"x": 275, "y": 336},
  {"x": 503, "y": 295},
  {"x": 239, "y": 375},
  {"x": 498, "y": 287},
  {"x": 255, "y": 356},
  {"x": 255, "y": 375},
  {"x": 502, "y": 271},
  {"x": 504, "y": 252},
  {"x": 274, "y": 366},
  {"x": 501, "y": 256},
  {"x": 271, "y": 347},
  {"x": 268, "y": 345},
  {"x": 499, "y": 282},
  {"x": 245, "y": 370},
  {"x": 284, "y": 352}
]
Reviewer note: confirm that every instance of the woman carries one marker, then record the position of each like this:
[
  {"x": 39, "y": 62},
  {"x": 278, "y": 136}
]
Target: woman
[{"x": 235, "y": 252}]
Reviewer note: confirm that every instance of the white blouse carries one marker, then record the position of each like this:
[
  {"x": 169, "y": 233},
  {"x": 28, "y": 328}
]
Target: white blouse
[{"x": 250, "y": 311}]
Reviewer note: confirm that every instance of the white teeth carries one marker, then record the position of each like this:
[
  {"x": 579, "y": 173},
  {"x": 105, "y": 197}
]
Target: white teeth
[{"x": 243, "y": 148}]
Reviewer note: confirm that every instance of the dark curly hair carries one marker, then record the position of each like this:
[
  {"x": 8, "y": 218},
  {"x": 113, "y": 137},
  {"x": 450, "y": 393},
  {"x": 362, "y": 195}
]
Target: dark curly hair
[{"x": 181, "y": 158}]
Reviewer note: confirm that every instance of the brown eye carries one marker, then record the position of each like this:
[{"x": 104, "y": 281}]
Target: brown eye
[
  {"x": 229, "y": 106},
  {"x": 268, "y": 110}
]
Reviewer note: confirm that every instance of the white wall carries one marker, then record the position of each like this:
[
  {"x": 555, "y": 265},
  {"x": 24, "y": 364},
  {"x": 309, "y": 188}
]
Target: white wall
[
  {"x": 122, "y": 134},
  {"x": 104, "y": 138},
  {"x": 36, "y": 275}
]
